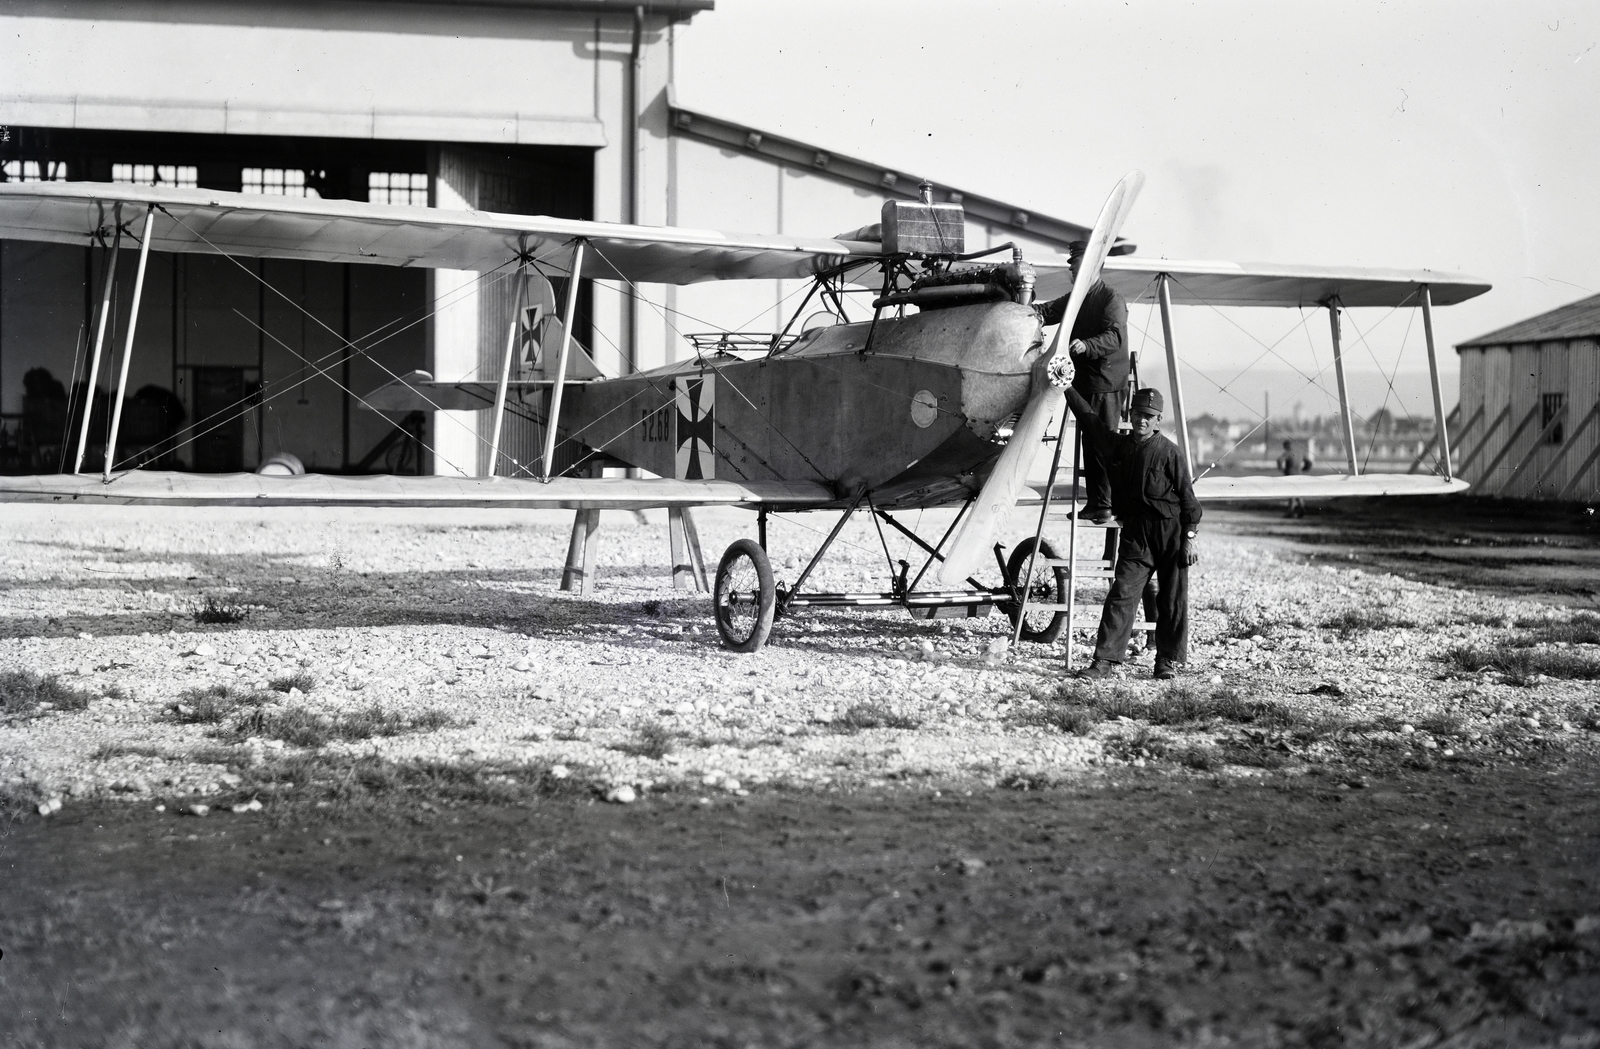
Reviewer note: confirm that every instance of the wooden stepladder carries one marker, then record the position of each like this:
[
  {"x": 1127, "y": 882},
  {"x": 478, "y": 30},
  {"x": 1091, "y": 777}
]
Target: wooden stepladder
[{"x": 1079, "y": 569}]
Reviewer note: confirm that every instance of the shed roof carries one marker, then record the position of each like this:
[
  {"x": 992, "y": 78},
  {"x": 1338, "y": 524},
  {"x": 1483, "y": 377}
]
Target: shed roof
[{"x": 1575, "y": 320}]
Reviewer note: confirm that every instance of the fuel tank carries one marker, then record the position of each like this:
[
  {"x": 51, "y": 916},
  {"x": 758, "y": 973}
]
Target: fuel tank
[{"x": 913, "y": 415}]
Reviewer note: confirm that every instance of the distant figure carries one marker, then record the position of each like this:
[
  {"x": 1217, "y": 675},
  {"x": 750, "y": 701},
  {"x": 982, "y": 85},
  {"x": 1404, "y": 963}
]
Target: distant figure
[
  {"x": 44, "y": 420},
  {"x": 38, "y": 384},
  {"x": 161, "y": 414},
  {"x": 1292, "y": 464}
]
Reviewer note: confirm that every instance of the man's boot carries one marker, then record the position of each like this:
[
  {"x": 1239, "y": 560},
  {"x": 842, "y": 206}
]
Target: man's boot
[
  {"x": 1099, "y": 670},
  {"x": 1165, "y": 670}
]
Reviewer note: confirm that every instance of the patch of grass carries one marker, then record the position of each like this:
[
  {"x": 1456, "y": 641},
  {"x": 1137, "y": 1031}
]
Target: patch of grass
[
  {"x": 1072, "y": 720},
  {"x": 1254, "y": 757},
  {"x": 213, "y": 611},
  {"x": 225, "y": 756},
  {"x": 1140, "y": 744},
  {"x": 110, "y": 751},
  {"x": 652, "y": 607},
  {"x": 306, "y": 728},
  {"x": 1180, "y": 704},
  {"x": 652, "y": 740},
  {"x": 1522, "y": 665},
  {"x": 1440, "y": 724},
  {"x": 1199, "y": 758},
  {"x": 1119, "y": 702},
  {"x": 212, "y": 705},
  {"x": 1354, "y": 621},
  {"x": 22, "y": 691},
  {"x": 1481, "y": 619},
  {"x": 1582, "y": 629},
  {"x": 1186, "y": 704},
  {"x": 300, "y": 680},
  {"x": 303, "y": 780},
  {"x": 872, "y": 715},
  {"x": 1247, "y": 625}
]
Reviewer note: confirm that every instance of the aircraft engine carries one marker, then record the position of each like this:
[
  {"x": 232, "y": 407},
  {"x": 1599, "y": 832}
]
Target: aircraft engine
[{"x": 941, "y": 289}]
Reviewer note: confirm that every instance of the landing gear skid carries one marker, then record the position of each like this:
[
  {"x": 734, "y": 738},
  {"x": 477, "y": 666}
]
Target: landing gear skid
[{"x": 746, "y": 599}]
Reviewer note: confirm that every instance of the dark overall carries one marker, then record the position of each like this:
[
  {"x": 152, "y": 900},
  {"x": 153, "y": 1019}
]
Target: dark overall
[
  {"x": 1154, "y": 500},
  {"x": 1099, "y": 373}
]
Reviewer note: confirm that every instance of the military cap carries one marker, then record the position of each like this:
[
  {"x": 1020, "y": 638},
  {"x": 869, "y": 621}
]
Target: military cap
[
  {"x": 1148, "y": 401},
  {"x": 1076, "y": 249}
]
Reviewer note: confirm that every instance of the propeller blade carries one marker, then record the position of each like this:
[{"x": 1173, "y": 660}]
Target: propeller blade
[{"x": 1009, "y": 477}]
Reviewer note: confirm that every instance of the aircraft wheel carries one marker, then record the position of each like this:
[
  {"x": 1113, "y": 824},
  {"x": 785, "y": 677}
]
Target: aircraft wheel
[
  {"x": 1049, "y": 587},
  {"x": 744, "y": 597}
]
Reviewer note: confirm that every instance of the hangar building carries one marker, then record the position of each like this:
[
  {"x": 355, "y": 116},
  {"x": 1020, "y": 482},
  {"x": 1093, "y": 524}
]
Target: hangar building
[
  {"x": 1530, "y": 406},
  {"x": 556, "y": 107}
]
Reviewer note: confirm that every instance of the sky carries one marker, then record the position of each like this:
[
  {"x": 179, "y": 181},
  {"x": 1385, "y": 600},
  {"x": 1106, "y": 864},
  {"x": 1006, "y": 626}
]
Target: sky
[{"x": 1457, "y": 136}]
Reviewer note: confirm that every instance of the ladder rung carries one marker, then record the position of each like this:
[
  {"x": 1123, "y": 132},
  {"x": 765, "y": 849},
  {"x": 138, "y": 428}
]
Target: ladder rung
[
  {"x": 1066, "y": 515},
  {"x": 1084, "y": 572},
  {"x": 1086, "y": 563}
]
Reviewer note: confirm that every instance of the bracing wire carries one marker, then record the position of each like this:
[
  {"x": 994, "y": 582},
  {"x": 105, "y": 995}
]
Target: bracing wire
[{"x": 498, "y": 274}]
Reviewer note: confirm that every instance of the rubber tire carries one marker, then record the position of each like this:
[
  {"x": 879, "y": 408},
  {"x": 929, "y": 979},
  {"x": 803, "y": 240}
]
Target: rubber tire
[
  {"x": 734, "y": 635},
  {"x": 1016, "y": 565}
]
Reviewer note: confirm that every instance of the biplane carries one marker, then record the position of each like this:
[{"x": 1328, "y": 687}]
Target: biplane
[{"x": 931, "y": 393}]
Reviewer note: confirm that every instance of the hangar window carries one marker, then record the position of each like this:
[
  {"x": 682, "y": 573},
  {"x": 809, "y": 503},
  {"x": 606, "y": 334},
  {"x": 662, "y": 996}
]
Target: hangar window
[
  {"x": 397, "y": 187},
  {"x": 277, "y": 182},
  {"x": 154, "y": 174},
  {"x": 34, "y": 171},
  {"x": 1549, "y": 405}
]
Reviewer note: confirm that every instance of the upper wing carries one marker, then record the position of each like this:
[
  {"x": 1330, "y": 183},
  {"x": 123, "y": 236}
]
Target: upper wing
[
  {"x": 1308, "y": 486},
  {"x": 253, "y": 225},
  {"x": 1265, "y": 283},
  {"x": 151, "y": 487}
]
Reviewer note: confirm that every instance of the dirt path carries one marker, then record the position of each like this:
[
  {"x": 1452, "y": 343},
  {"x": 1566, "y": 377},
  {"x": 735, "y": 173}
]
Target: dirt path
[
  {"x": 1548, "y": 553},
  {"x": 1144, "y": 909}
]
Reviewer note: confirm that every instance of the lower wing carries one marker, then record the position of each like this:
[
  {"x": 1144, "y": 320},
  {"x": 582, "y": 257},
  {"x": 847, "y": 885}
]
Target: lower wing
[
  {"x": 1308, "y": 486},
  {"x": 154, "y": 487}
]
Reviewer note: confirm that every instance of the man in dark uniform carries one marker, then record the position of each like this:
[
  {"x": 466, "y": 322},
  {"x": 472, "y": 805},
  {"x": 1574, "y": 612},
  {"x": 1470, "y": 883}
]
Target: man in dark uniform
[
  {"x": 1154, "y": 500},
  {"x": 1099, "y": 353}
]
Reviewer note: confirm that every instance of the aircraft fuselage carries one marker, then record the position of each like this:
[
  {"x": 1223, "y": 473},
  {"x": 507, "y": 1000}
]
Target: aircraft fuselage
[{"x": 913, "y": 416}]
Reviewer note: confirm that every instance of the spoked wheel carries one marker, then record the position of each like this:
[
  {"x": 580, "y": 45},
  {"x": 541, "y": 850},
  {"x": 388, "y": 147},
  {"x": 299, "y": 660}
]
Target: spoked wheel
[
  {"x": 744, "y": 597},
  {"x": 1049, "y": 587}
]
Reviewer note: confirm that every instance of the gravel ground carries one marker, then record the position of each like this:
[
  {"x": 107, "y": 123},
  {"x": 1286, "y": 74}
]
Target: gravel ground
[{"x": 441, "y": 636}]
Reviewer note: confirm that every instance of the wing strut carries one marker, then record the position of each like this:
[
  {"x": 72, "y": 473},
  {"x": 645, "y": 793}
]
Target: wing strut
[
  {"x": 554, "y": 415},
  {"x": 127, "y": 347},
  {"x": 1174, "y": 380},
  {"x": 1348, "y": 430},
  {"x": 99, "y": 339},
  {"x": 505, "y": 366},
  {"x": 1438, "y": 396}
]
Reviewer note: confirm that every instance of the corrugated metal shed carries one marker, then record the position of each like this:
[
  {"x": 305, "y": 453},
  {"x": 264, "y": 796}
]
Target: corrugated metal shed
[
  {"x": 1530, "y": 395},
  {"x": 1575, "y": 320}
]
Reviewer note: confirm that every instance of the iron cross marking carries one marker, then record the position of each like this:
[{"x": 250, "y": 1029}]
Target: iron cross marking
[
  {"x": 529, "y": 337},
  {"x": 696, "y": 437}
]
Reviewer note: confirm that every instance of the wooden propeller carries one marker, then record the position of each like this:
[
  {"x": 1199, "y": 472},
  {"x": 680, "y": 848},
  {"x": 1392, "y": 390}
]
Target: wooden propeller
[{"x": 1006, "y": 483}]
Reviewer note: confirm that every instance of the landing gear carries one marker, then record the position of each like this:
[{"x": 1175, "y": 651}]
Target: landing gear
[
  {"x": 745, "y": 596},
  {"x": 1049, "y": 587}
]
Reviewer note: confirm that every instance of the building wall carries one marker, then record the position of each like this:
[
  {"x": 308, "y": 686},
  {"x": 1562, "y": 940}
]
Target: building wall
[
  {"x": 498, "y": 81},
  {"x": 1514, "y": 379},
  {"x": 1575, "y": 480},
  {"x": 1468, "y": 432},
  {"x": 453, "y": 72}
]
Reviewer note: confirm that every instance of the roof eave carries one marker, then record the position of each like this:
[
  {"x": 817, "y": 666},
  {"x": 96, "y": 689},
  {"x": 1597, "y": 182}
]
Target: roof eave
[{"x": 891, "y": 182}]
